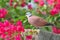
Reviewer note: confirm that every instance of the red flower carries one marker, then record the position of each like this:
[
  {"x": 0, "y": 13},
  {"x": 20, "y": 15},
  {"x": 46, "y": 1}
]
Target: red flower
[
  {"x": 28, "y": 37},
  {"x": 54, "y": 12},
  {"x": 56, "y": 30},
  {"x": 11, "y": 2},
  {"x": 3, "y": 12},
  {"x": 23, "y": 4}
]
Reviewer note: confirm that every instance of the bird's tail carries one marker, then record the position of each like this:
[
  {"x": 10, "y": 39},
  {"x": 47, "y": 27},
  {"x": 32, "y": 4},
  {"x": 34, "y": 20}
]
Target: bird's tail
[{"x": 49, "y": 24}]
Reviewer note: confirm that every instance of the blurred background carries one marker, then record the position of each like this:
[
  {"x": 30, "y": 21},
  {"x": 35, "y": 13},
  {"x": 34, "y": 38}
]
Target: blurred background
[{"x": 17, "y": 11}]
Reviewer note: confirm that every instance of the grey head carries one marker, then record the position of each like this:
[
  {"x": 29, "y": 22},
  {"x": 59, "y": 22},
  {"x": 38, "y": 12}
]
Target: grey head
[{"x": 28, "y": 14}]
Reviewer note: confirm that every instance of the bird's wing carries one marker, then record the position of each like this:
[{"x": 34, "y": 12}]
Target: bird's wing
[
  {"x": 37, "y": 21},
  {"x": 41, "y": 21}
]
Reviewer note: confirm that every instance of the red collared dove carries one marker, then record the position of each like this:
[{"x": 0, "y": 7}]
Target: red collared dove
[{"x": 37, "y": 21}]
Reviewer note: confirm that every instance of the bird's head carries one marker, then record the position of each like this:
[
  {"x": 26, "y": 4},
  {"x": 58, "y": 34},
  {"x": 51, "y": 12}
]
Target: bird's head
[{"x": 28, "y": 14}]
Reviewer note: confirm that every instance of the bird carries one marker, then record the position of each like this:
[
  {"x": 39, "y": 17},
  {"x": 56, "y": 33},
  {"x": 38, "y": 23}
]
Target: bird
[{"x": 37, "y": 21}]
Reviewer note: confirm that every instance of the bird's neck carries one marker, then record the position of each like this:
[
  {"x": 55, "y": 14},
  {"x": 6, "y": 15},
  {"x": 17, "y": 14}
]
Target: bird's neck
[{"x": 29, "y": 16}]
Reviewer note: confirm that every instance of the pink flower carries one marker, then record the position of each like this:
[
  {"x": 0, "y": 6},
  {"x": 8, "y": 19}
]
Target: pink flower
[
  {"x": 58, "y": 1},
  {"x": 17, "y": 37},
  {"x": 28, "y": 37},
  {"x": 29, "y": 6},
  {"x": 3, "y": 12},
  {"x": 54, "y": 12},
  {"x": 19, "y": 26},
  {"x": 50, "y": 2},
  {"x": 19, "y": 23},
  {"x": 44, "y": 13},
  {"x": 7, "y": 38},
  {"x": 20, "y": 29},
  {"x": 1, "y": 24},
  {"x": 36, "y": 1},
  {"x": 12, "y": 28},
  {"x": 57, "y": 6},
  {"x": 3, "y": 36},
  {"x": 56, "y": 30},
  {"x": 2, "y": 30},
  {"x": 41, "y": 3},
  {"x": 6, "y": 23}
]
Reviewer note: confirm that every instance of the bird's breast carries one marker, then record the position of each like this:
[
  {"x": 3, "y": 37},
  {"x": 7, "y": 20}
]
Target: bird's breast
[{"x": 34, "y": 22}]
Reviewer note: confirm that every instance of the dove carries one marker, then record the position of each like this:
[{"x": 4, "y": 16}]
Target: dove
[{"x": 37, "y": 21}]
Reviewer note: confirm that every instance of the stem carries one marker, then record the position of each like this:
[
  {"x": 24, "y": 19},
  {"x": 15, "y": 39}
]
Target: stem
[{"x": 0, "y": 19}]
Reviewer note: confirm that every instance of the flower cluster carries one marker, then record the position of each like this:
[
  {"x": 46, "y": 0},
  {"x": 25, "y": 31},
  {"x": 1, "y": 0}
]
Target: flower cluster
[
  {"x": 54, "y": 3},
  {"x": 11, "y": 31}
]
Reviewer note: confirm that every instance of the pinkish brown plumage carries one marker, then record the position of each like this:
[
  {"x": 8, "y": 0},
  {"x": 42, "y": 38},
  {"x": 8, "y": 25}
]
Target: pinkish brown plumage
[{"x": 35, "y": 20}]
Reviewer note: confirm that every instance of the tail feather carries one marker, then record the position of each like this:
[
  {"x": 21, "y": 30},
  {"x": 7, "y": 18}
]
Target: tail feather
[{"x": 49, "y": 24}]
